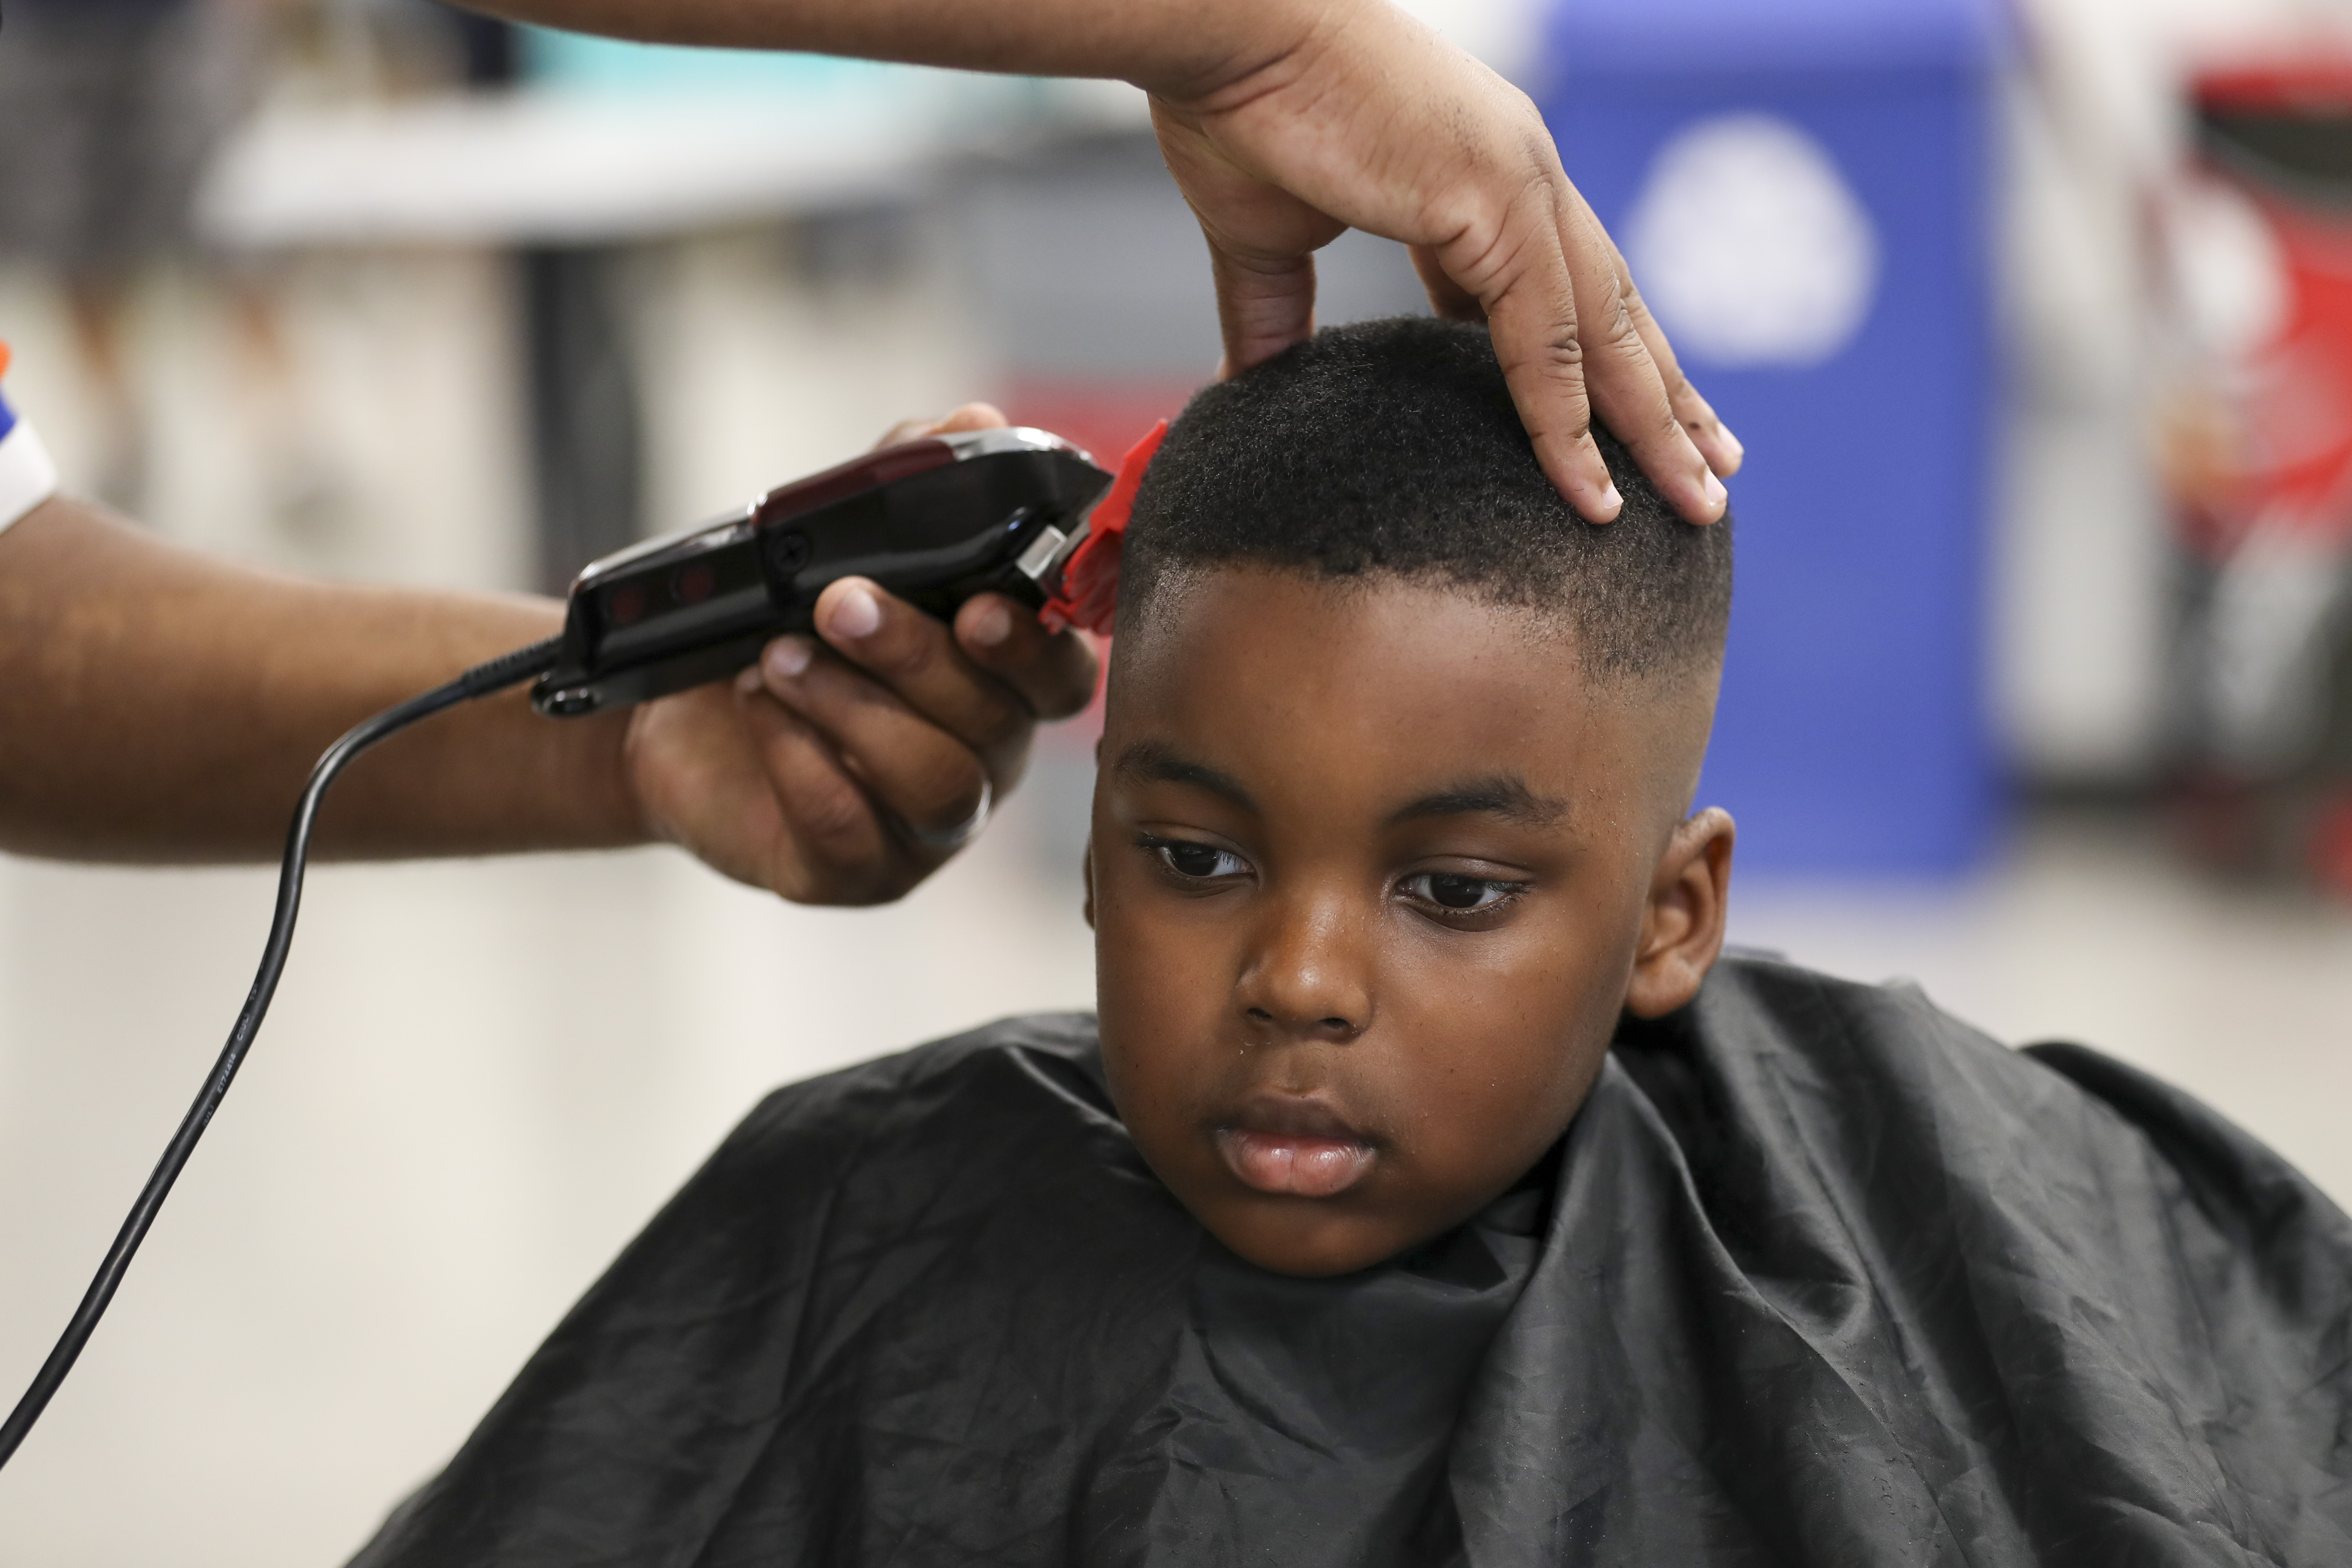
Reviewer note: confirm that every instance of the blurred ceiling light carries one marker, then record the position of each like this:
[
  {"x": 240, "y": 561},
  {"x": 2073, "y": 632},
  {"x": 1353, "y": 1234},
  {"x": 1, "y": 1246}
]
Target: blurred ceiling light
[{"x": 531, "y": 168}]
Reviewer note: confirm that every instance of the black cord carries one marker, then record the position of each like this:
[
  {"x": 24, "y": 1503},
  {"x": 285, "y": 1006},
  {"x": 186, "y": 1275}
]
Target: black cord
[{"x": 479, "y": 681}]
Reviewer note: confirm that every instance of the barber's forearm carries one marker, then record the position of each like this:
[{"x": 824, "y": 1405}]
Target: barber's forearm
[
  {"x": 1184, "y": 48},
  {"x": 158, "y": 705}
]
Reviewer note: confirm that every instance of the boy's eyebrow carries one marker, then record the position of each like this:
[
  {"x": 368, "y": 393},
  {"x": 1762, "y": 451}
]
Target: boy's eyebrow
[
  {"x": 1161, "y": 764},
  {"x": 1501, "y": 795}
]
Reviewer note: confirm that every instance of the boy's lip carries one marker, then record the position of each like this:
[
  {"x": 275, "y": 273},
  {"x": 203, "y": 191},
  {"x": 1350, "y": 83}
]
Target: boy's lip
[{"x": 1294, "y": 1146}]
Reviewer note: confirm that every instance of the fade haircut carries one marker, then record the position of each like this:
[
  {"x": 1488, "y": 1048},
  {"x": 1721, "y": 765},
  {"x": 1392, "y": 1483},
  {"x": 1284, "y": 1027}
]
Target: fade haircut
[{"x": 1391, "y": 449}]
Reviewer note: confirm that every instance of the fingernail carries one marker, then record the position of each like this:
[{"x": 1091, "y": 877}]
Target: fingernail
[
  {"x": 1717, "y": 495},
  {"x": 1612, "y": 502},
  {"x": 1738, "y": 447},
  {"x": 749, "y": 681},
  {"x": 992, "y": 626},
  {"x": 855, "y": 614},
  {"x": 788, "y": 657}
]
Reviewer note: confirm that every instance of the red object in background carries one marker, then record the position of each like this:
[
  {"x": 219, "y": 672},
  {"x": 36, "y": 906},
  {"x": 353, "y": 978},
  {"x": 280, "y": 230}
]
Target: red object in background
[
  {"x": 1104, "y": 416},
  {"x": 2307, "y": 88},
  {"x": 2260, "y": 468},
  {"x": 2281, "y": 134},
  {"x": 2331, "y": 847}
]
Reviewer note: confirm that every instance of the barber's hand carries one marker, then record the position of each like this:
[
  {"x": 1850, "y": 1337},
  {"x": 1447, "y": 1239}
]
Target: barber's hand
[
  {"x": 842, "y": 768},
  {"x": 1370, "y": 120}
]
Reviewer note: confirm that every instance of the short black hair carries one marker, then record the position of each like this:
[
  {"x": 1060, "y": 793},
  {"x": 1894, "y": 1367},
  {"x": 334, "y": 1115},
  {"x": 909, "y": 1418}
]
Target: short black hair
[{"x": 1392, "y": 448}]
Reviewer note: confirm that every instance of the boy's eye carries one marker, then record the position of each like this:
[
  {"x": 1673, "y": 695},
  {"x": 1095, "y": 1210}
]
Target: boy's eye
[
  {"x": 1199, "y": 862},
  {"x": 1458, "y": 893}
]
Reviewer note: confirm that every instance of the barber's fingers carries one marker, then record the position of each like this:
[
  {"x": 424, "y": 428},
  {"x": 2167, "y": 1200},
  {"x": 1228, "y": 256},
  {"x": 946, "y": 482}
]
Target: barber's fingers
[
  {"x": 840, "y": 849},
  {"x": 1448, "y": 299},
  {"x": 1262, "y": 307},
  {"x": 758, "y": 794},
  {"x": 971, "y": 416},
  {"x": 917, "y": 657},
  {"x": 1631, "y": 387},
  {"x": 1614, "y": 357},
  {"x": 1557, "y": 304},
  {"x": 1262, "y": 244},
  {"x": 1573, "y": 336},
  {"x": 1262, "y": 241},
  {"x": 1053, "y": 673},
  {"x": 927, "y": 780},
  {"x": 1716, "y": 443}
]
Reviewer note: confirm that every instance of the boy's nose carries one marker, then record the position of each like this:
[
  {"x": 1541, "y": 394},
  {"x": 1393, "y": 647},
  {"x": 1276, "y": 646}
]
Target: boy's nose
[{"x": 1308, "y": 979}]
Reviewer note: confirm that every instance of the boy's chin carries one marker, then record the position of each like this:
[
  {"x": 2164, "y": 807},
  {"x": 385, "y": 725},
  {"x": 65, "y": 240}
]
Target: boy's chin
[{"x": 1311, "y": 1238}]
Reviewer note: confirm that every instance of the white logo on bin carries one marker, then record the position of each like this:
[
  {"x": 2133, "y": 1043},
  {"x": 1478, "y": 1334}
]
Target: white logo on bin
[{"x": 1749, "y": 245}]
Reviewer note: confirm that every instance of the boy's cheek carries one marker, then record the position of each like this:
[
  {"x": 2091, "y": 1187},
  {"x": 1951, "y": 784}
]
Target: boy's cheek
[
  {"x": 1144, "y": 958},
  {"x": 1161, "y": 988},
  {"x": 1480, "y": 1131},
  {"x": 1497, "y": 1061}
]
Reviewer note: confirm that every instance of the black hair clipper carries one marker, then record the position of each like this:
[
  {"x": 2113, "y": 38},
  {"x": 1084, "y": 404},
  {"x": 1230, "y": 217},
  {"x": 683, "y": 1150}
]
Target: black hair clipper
[{"x": 934, "y": 521}]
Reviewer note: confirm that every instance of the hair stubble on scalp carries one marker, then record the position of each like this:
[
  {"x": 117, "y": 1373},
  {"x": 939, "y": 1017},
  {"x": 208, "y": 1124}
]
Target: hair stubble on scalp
[{"x": 1391, "y": 450}]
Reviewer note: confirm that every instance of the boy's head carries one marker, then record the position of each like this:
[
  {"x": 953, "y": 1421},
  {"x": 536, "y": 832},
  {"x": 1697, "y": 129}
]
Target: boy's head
[{"x": 1393, "y": 816}]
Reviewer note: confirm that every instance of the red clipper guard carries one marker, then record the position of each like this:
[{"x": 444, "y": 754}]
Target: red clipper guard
[{"x": 1088, "y": 595}]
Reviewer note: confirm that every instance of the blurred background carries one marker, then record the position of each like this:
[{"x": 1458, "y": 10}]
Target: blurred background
[{"x": 2036, "y": 320}]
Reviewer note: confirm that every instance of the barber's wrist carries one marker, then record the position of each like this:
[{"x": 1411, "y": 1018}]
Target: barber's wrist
[
  {"x": 581, "y": 792},
  {"x": 1221, "y": 56},
  {"x": 608, "y": 809},
  {"x": 494, "y": 776}
]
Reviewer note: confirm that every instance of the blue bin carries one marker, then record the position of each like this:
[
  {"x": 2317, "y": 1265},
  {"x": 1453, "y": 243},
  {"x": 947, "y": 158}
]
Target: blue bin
[{"x": 1800, "y": 187}]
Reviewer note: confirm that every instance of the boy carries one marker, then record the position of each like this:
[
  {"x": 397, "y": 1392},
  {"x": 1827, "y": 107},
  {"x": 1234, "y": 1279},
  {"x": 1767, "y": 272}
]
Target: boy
[{"x": 1426, "y": 1199}]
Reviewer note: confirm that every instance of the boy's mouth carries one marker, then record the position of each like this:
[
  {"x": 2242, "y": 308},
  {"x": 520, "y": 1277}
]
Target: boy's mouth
[{"x": 1298, "y": 1147}]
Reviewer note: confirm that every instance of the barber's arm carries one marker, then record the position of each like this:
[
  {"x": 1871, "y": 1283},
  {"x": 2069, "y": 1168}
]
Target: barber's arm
[
  {"x": 164, "y": 705},
  {"x": 1286, "y": 121}
]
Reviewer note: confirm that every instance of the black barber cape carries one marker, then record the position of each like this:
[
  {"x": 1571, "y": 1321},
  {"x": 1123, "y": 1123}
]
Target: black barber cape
[{"x": 1819, "y": 1275}]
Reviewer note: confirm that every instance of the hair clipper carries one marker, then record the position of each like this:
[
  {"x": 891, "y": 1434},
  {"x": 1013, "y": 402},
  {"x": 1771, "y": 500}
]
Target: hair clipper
[{"x": 934, "y": 521}]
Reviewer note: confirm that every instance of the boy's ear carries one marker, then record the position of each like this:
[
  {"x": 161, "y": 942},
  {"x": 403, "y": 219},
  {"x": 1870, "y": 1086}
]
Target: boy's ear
[
  {"x": 1682, "y": 924},
  {"x": 1087, "y": 866},
  {"x": 1087, "y": 870}
]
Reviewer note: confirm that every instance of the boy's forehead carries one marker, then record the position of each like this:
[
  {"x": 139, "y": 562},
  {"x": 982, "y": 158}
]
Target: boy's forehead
[
  {"x": 1284, "y": 631},
  {"x": 1505, "y": 795},
  {"x": 1195, "y": 606},
  {"x": 1376, "y": 688}
]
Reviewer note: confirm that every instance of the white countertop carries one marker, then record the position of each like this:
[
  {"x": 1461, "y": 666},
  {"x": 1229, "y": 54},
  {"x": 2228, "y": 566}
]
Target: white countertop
[{"x": 552, "y": 166}]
